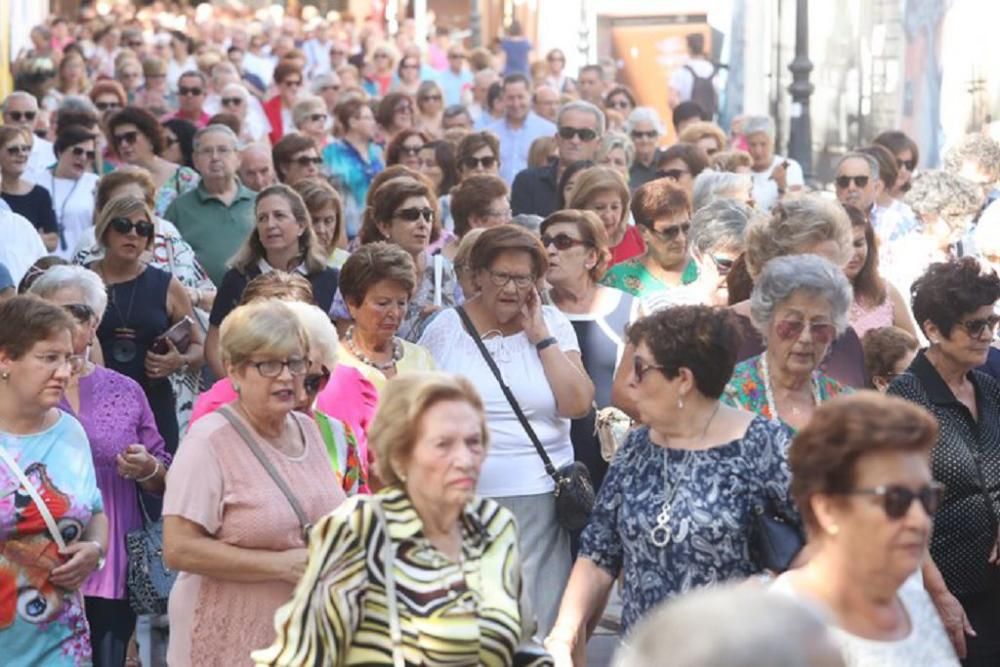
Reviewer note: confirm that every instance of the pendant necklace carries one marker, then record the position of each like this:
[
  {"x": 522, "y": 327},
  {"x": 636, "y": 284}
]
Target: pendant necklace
[{"x": 124, "y": 348}]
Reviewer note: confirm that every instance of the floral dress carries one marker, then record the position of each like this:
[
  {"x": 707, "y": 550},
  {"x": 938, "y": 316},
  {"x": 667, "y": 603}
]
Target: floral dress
[
  {"x": 633, "y": 277},
  {"x": 184, "y": 179}
]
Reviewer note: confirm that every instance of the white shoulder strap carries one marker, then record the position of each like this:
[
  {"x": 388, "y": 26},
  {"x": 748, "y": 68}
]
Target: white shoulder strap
[
  {"x": 438, "y": 277},
  {"x": 26, "y": 483}
]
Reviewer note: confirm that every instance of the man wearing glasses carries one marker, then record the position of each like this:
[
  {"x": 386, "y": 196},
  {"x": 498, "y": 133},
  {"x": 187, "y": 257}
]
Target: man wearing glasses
[
  {"x": 20, "y": 109},
  {"x": 192, "y": 89}
]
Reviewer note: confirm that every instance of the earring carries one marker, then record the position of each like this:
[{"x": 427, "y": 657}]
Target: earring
[
  {"x": 5, "y": 376},
  {"x": 680, "y": 403},
  {"x": 833, "y": 529},
  {"x": 236, "y": 388}
]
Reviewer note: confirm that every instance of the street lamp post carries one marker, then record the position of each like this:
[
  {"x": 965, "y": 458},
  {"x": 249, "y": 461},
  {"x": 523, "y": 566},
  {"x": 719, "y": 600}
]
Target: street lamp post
[
  {"x": 800, "y": 130},
  {"x": 475, "y": 25}
]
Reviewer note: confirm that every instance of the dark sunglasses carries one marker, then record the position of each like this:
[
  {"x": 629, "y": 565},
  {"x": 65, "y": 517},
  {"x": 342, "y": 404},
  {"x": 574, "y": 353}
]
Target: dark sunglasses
[
  {"x": 454, "y": 56},
  {"x": 975, "y": 328},
  {"x": 896, "y": 500},
  {"x": 184, "y": 92},
  {"x": 671, "y": 233},
  {"x": 305, "y": 161},
  {"x": 129, "y": 137},
  {"x": 381, "y": 55},
  {"x": 475, "y": 162},
  {"x": 232, "y": 101},
  {"x": 125, "y": 226},
  {"x": 585, "y": 133},
  {"x": 81, "y": 312},
  {"x": 17, "y": 116},
  {"x": 107, "y": 106},
  {"x": 328, "y": 88},
  {"x": 80, "y": 152},
  {"x": 639, "y": 134},
  {"x": 316, "y": 382},
  {"x": 430, "y": 98},
  {"x": 317, "y": 117},
  {"x": 843, "y": 182},
  {"x": 18, "y": 150},
  {"x": 909, "y": 164},
  {"x": 561, "y": 241},
  {"x": 672, "y": 174},
  {"x": 640, "y": 368},
  {"x": 821, "y": 332},
  {"x": 410, "y": 150},
  {"x": 722, "y": 264},
  {"x": 415, "y": 213}
]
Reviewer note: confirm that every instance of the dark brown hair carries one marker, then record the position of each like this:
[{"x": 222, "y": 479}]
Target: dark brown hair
[
  {"x": 284, "y": 69},
  {"x": 144, "y": 121},
  {"x": 395, "y": 147},
  {"x": 473, "y": 142},
  {"x": 897, "y": 142},
  {"x": 948, "y": 291},
  {"x": 287, "y": 146},
  {"x": 661, "y": 198},
  {"x": 384, "y": 203},
  {"x": 372, "y": 263},
  {"x": 887, "y": 170},
  {"x": 884, "y": 348},
  {"x": 691, "y": 155},
  {"x": 387, "y": 108},
  {"x": 869, "y": 288},
  {"x": 316, "y": 194},
  {"x": 508, "y": 238},
  {"x": 348, "y": 110},
  {"x": 29, "y": 320},
  {"x": 473, "y": 196}
]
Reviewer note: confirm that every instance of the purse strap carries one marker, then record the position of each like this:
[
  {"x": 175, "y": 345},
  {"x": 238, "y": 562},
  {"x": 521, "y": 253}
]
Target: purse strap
[
  {"x": 251, "y": 442},
  {"x": 43, "y": 509},
  {"x": 471, "y": 329},
  {"x": 392, "y": 604}
]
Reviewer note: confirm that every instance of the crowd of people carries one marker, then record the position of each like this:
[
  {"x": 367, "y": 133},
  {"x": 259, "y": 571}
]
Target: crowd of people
[{"x": 402, "y": 352}]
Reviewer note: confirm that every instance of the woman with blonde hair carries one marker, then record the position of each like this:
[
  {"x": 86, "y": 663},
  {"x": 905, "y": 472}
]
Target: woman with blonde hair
[
  {"x": 605, "y": 192},
  {"x": 326, "y": 209},
  {"x": 311, "y": 119},
  {"x": 705, "y": 135}
]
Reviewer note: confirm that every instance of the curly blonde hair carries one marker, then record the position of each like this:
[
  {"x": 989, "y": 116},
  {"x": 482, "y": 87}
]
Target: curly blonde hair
[{"x": 796, "y": 224}]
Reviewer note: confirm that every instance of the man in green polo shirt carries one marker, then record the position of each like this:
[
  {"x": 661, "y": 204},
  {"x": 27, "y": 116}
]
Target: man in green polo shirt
[{"x": 218, "y": 215}]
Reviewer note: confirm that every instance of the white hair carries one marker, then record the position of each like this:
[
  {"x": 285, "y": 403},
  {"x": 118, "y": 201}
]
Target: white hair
[
  {"x": 62, "y": 276},
  {"x": 784, "y": 276},
  {"x": 319, "y": 330},
  {"x": 587, "y": 107},
  {"x": 757, "y": 124},
  {"x": 644, "y": 115},
  {"x": 711, "y": 185},
  {"x": 720, "y": 224},
  {"x": 218, "y": 128}
]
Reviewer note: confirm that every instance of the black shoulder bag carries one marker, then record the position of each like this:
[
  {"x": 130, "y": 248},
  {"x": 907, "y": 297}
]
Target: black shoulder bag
[{"x": 574, "y": 491}]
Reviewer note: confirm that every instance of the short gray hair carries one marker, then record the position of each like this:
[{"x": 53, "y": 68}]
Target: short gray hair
[
  {"x": 711, "y": 185},
  {"x": 720, "y": 224},
  {"x": 644, "y": 115},
  {"x": 240, "y": 89},
  {"x": 319, "y": 330},
  {"x": 784, "y": 276},
  {"x": 757, "y": 124},
  {"x": 857, "y": 155},
  {"x": 943, "y": 193},
  {"x": 730, "y": 626},
  {"x": 17, "y": 95},
  {"x": 321, "y": 81},
  {"x": 209, "y": 129},
  {"x": 306, "y": 106},
  {"x": 77, "y": 104},
  {"x": 615, "y": 140},
  {"x": 62, "y": 276},
  {"x": 583, "y": 105}
]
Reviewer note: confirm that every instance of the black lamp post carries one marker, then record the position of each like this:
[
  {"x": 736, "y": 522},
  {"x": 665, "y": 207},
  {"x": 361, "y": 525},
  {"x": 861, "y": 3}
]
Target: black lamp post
[
  {"x": 475, "y": 25},
  {"x": 800, "y": 130}
]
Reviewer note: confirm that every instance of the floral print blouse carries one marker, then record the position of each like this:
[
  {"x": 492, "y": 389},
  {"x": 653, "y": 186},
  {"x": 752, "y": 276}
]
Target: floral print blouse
[
  {"x": 633, "y": 277},
  {"x": 184, "y": 179}
]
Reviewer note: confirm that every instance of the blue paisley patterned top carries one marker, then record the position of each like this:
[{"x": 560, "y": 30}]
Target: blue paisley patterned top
[{"x": 711, "y": 513}]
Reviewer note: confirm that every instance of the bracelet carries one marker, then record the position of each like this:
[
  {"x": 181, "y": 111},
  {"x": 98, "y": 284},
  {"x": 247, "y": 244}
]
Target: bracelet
[
  {"x": 545, "y": 342},
  {"x": 156, "y": 470},
  {"x": 102, "y": 556}
]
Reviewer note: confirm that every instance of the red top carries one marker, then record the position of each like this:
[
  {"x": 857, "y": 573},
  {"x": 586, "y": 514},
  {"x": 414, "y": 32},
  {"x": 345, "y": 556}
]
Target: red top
[
  {"x": 272, "y": 109},
  {"x": 200, "y": 123},
  {"x": 631, "y": 246}
]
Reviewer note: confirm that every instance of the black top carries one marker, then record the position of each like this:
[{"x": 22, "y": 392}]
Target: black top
[
  {"x": 36, "y": 206},
  {"x": 639, "y": 174},
  {"x": 534, "y": 191},
  {"x": 964, "y": 528},
  {"x": 324, "y": 284}
]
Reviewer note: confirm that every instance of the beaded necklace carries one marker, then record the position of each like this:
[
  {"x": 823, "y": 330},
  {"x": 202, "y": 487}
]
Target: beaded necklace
[
  {"x": 397, "y": 352},
  {"x": 772, "y": 405}
]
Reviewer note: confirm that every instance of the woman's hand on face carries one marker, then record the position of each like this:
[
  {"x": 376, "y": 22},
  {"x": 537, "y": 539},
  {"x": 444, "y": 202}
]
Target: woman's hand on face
[
  {"x": 135, "y": 462},
  {"x": 162, "y": 365},
  {"x": 292, "y": 564},
  {"x": 532, "y": 320},
  {"x": 83, "y": 560}
]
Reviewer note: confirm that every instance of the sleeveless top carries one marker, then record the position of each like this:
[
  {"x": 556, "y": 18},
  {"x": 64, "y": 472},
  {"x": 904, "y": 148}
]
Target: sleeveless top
[{"x": 865, "y": 319}]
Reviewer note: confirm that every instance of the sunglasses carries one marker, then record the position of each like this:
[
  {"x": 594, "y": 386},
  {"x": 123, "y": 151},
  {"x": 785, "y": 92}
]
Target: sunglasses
[
  {"x": 17, "y": 116},
  {"x": 618, "y": 104},
  {"x": 292, "y": 82},
  {"x": 722, "y": 264},
  {"x": 305, "y": 161},
  {"x": 316, "y": 117},
  {"x": 414, "y": 213},
  {"x": 671, "y": 233},
  {"x": 129, "y": 137},
  {"x": 430, "y": 98},
  {"x": 562, "y": 241},
  {"x": 403, "y": 108},
  {"x": 975, "y": 328},
  {"x": 410, "y": 150},
  {"x": 81, "y": 312},
  {"x": 821, "y": 332},
  {"x": 232, "y": 101},
  {"x": 639, "y": 134},
  {"x": 107, "y": 106},
  {"x": 843, "y": 182},
  {"x": 585, "y": 133},
  {"x": 909, "y": 164},
  {"x": 475, "y": 162},
  {"x": 18, "y": 150},
  {"x": 640, "y": 368},
  {"x": 672, "y": 174},
  {"x": 81, "y": 152},
  {"x": 125, "y": 226},
  {"x": 194, "y": 92},
  {"x": 381, "y": 55},
  {"x": 455, "y": 56},
  {"x": 896, "y": 500},
  {"x": 316, "y": 382}
]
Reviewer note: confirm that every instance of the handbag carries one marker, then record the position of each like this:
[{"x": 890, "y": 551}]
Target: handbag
[
  {"x": 179, "y": 334},
  {"x": 148, "y": 581},
  {"x": 251, "y": 442},
  {"x": 775, "y": 539},
  {"x": 574, "y": 491}
]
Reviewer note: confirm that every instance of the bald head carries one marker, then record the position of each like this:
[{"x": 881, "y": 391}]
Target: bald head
[
  {"x": 256, "y": 169},
  {"x": 545, "y": 102}
]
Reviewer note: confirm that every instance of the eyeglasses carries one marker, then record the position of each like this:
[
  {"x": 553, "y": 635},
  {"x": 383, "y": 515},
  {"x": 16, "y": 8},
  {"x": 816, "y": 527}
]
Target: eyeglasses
[
  {"x": 618, "y": 104},
  {"x": 585, "y": 133},
  {"x": 232, "y": 101},
  {"x": 722, "y": 264},
  {"x": 414, "y": 213},
  {"x": 272, "y": 367},
  {"x": 82, "y": 152},
  {"x": 307, "y": 161},
  {"x": 17, "y": 116},
  {"x": 639, "y": 134},
  {"x": 317, "y": 117},
  {"x": 81, "y": 312},
  {"x": 475, "y": 162},
  {"x": 129, "y": 137},
  {"x": 54, "y": 361},
  {"x": 909, "y": 164},
  {"x": 843, "y": 182},
  {"x": 672, "y": 174},
  {"x": 975, "y": 328},
  {"x": 316, "y": 382},
  {"x": 821, "y": 332},
  {"x": 107, "y": 106},
  {"x": 194, "y": 92},
  {"x": 410, "y": 150},
  {"x": 562, "y": 241},
  {"x": 125, "y": 226},
  {"x": 292, "y": 82},
  {"x": 672, "y": 232},
  {"x": 430, "y": 98},
  {"x": 18, "y": 150},
  {"x": 640, "y": 368},
  {"x": 501, "y": 279},
  {"x": 896, "y": 499},
  {"x": 137, "y": 44},
  {"x": 410, "y": 66}
]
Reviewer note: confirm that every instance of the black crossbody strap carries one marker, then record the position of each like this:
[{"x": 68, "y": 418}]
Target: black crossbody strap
[{"x": 470, "y": 328}]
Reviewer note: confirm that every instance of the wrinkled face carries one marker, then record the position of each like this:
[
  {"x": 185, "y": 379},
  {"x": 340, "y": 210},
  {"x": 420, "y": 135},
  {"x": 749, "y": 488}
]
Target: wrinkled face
[
  {"x": 968, "y": 344},
  {"x": 77, "y": 159},
  {"x": 497, "y": 213},
  {"x": 609, "y": 208},
  {"x": 570, "y": 257},
  {"x": 331, "y": 91},
  {"x": 21, "y": 111},
  {"x": 430, "y": 168},
  {"x": 277, "y": 227},
  {"x": 14, "y": 155},
  {"x": 855, "y": 185},
  {"x": 270, "y": 396},
  {"x": 381, "y": 312},
  {"x": 761, "y": 149},
  {"x": 800, "y": 333},
  {"x": 859, "y": 256},
  {"x": 86, "y": 324},
  {"x": 234, "y": 101},
  {"x": 616, "y": 159},
  {"x": 191, "y": 93},
  {"x": 302, "y": 165},
  {"x": 506, "y": 284},
  {"x": 256, "y": 171},
  {"x": 410, "y": 226},
  {"x": 645, "y": 137},
  {"x": 289, "y": 89},
  {"x": 667, "y": 241},
  {"x": 650, "y": 390},
  {"x": 216, "y": 157},
  {"x": 447, "y": 455},
  {"x": 715, "y": 265},
  {"x": 516, "y": 100},
  {"x": 409, "y": 152},
  {"x": 578, "y": 137},
  {"x": 461, "y": 121},
  {"x": 314, "y": 123},
  {"x": 40, "y": 376}
]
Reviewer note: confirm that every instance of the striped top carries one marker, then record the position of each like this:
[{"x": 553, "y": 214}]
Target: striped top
[{"x": 450, "y": 613}]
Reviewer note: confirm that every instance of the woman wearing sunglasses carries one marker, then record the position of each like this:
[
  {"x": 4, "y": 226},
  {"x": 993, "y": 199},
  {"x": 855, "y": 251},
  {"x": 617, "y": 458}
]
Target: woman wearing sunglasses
[
  {"x": 405, "y": 149},
  {"x": 144, "y": 302},
  {"x": 71, "y": 183},
  {"x": 954, "y": 304},
  {"x": 605, "y": 192},
  {"x": 430, "y": 109},
  {"x": 861, "y": 478},
  {"x": 24, "y": 197},
  {"x": 478, "y": 153},
  {"x": 312, "y": 120}
]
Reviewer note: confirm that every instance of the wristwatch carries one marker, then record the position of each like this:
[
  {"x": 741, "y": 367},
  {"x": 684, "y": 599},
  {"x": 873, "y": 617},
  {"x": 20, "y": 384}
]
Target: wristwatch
[{"x": 102, "y": 556}]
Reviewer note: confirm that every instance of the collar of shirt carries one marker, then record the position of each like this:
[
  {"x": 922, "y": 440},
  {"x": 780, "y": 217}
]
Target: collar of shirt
[
  {"x": 267, "y": 268},
  {"x": 242, "y": 192},
  {"x": 937, "y": 389},
  {"x": 404, "y": 524}
]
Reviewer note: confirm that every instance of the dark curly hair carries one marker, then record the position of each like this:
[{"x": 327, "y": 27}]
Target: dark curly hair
[
  {"x": 694, "y": 157},
  {"x": 948, "y": 291},
  {"x": 703, "y": 339},
  {"x": 144, "y": 121},
  {"x": 825, "y": 455}
]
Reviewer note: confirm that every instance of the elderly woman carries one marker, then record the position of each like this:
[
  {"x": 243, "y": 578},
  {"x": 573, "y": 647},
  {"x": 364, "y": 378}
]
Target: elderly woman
[
  {"x": 430, "y": 109},
  {"x": 144, "y": 303},
  {"x": 235, "y": 99},
  {"x": 137, "y": 139},
  {"x": 355, "y": 158},
  {"x": 616, "y": 151},
  {"x": 477, "y": 202},
  {"x": 394, "y": 114},
  {"x": 311, "y": 119},
  {"x": 578, "y": 256},
  {"x": 799, "y": 305},
  {"x": 536, "y": 351},
  {"x": 42, "y": 570},
  {"x": 283, "y": 239},
  {"x": 431, "y": 436},
  {"x": 662, "y": 211},
  {"x": 229, "y": 528},
  {"x": 603, "y": 191},
  {"x": 711, "y": 185},
  {"x": 288, "y": 83},
  {"x": 376, "y": 283},
  {"x": 861, "y": 478},
  {"x": 707, "y": 136},
  {"x": 645, "y": 128},
  {"x": 326, "y": 211},
  {"x": 21, "y": 195},
  {"x": 954, "y": 304},
  {"x": 660, "y": 520},
  {"x": 478, "y": 153},
  {"x": 71, "y": 183},
  {"x": 889, "y": 351},
  {"x": 296, "y": 158},
  {"x": 735, "y": 161},
  {"x": 773, "y": 175},
  {"x": 405, "y": 149},
  {"x": 681, "y": 163},
  {"x": 126, "y": 448}
]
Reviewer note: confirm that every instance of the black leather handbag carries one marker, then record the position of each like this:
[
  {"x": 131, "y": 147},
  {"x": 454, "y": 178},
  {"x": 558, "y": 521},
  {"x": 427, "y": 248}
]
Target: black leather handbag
[
  {"x": 574, "y": 491},
  {"x": 775, "y": 539}
]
